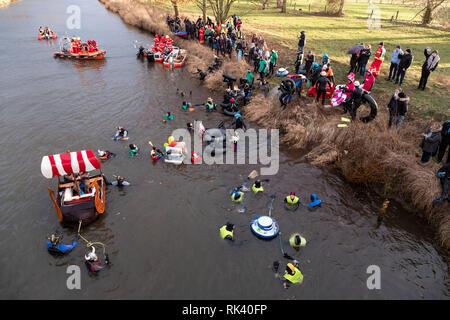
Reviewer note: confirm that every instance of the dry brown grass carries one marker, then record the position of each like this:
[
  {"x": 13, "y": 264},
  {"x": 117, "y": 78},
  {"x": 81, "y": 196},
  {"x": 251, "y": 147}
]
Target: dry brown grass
[
  {"x": 200, "y": 56},
  {"x": 366, "y": 154}
]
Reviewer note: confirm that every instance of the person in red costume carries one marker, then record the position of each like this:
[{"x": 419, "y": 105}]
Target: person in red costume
[
  {"x": 378, "y": 59},
  {"x": 369, "y": 80},
  {"x": 169, "y": 42},
  {"x": 202, "y": 34},
  {"x": 350, "y": 85}
]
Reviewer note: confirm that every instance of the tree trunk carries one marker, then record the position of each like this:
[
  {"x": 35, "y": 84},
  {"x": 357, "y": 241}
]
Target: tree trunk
[
  {"x": 265, "y": 4},
  {"x": 427, "y": 16},
  {"x": 279, "y": 3},
  {"x": 175, "y": 8},
  {"x": 341, "y": 7},
  {"x": 284, "y": 8},
  {"x": 204, "y": 11}
]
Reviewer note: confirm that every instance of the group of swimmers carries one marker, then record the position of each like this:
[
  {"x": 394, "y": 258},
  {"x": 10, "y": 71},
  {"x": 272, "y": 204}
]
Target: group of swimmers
[{"x": 292, "y": 274}]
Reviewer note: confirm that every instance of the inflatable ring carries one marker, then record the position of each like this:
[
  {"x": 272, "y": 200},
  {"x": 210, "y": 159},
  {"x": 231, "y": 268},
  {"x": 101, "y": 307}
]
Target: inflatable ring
[
  {"x": 231, "y": 113},
  {"x": 366, "y": 98},
  {"x": 265, "y": 227},
  {"x": 287, "y": 86}
]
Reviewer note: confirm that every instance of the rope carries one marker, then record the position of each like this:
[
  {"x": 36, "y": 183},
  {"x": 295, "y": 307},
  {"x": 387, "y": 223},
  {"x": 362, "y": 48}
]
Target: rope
[{"x": 89, "y": 243}]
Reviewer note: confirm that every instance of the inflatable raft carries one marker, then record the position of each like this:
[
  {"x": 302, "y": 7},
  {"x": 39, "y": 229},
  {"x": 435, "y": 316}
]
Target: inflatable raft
[
  {"x": 47, "y": 36},
  {"x": 181, "y": 34},
  {"x": 96, "y": 55},
  {"x": 264, "y": 227},
  {"x": 175, "y": 59}
]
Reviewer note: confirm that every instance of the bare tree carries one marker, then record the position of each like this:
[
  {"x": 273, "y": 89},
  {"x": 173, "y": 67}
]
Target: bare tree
[
  {"x": 221, "y": 9},
  {"x": 335, "y": 7},
  {"x": 431, "y": 7},
  {"x": 284, "y": 7},
  {"x": 201, "y": 4}
]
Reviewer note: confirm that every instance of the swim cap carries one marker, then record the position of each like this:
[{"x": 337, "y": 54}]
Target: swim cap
[
  {"x": 232, "y": 99},
  {"x": 292, "y": 193},
  {"x": 237, "y": 115},
  {"x": 171, "y": 139},
  {"x": 325, "y": 55},
  {"x": 91, "y": 255},
  {"x": 315, "y": 64},
  {"x": 357, "y": 83},
  {"x": 323, "y": 73},
  {"x": 351, "y": 76}
]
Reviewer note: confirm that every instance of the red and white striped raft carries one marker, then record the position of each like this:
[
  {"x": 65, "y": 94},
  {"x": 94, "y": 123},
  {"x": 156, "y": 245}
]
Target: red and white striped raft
[{"x": 67, "y": 163}]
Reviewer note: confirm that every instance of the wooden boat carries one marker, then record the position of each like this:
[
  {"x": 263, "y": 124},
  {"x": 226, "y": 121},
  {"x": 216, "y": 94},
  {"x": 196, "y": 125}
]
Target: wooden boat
[
  {"x": 72, "y": 203},
  {"x": 175, "y": 59}
]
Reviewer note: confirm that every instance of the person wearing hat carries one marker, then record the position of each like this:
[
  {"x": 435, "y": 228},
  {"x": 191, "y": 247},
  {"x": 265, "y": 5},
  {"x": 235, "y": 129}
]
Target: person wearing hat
[
  {"x": 273, "y": 61},
  {"x": 430, "y": 143},
  {"x": 405, "y": 61},
  {"x": 292, "y": 275},
  {"x": 395, "y": 60},
  {"x": 378, "y": 59},
  {"x": 309, "y": 60},
  {"x": 292, "y": 201},
  {"x": 227, "y": 231},
  {"x": 92, "y": 263},
  {"x": 301, "y": 42},
  {"x": 430, "y": 64},
  {"x": 238, "y": 122},
  {"x": 296, "y": 241},
  {"x": 121, "y": 133},
  {"x": 105, "y": 154},
  {"x": 54, "y": 247},
  {"x": 315, "y": 201},
  {"x": 369, "y": 80},
  {"x": 210, "y": 105},
  {"x": 321, "y": 87},
  {"x": 354, "y": 100}
]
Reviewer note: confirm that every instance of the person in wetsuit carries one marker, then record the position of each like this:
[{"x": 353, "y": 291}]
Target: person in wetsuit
[
  {"x": 238, "y": 122},
  {"x": 54, "y": 247},
  {"x": 93, "y": 264},
  {"x": 444, "y": 175}
]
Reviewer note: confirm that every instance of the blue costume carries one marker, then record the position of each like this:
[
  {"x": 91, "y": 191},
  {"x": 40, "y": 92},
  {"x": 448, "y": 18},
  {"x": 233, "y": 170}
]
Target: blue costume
[{"x": 60, "y": 248}]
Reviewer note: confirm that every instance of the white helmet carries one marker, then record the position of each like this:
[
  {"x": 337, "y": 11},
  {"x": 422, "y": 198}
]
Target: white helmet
[
  {"x": 323, "y": 73},
  {"x": 91, "y": 255},
  {"x": 356, "y": 83}
]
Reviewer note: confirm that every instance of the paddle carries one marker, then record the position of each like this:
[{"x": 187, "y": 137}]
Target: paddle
[
  {"x": 252, "y": 175},
  {"x": 285, "y": 255},
  {"x": 271, "y": 203}
]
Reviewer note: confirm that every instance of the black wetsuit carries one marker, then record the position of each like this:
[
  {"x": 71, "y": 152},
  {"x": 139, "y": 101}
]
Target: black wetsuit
[
  {"x": 355, "y": 101},
  {"x": 321, "y": 88}
]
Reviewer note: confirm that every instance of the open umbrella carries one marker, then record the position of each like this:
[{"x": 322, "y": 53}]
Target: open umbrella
[{"x": 355, "y": 49}]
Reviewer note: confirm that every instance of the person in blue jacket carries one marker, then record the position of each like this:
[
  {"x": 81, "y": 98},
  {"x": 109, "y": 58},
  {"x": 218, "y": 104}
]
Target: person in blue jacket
[{"x": 55, "y": 247}]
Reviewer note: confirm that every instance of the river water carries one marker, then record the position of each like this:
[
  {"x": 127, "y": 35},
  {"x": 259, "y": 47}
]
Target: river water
[{"x": 162, "y": 233}]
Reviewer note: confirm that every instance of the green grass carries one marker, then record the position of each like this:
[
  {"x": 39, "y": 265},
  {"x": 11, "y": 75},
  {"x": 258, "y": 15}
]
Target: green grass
[{"x": 335, "y": 35}]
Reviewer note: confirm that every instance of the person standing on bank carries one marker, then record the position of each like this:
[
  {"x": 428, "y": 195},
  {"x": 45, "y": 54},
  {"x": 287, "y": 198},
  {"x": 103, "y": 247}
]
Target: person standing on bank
[
  {"x": 405, "y": 62},
  {"x": 395, "y": 60},
  {"x": 430, "y": 64}
]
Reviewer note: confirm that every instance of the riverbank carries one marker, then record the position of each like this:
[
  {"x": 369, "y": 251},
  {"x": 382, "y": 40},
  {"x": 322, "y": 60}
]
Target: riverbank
[
  {"x": 153, "y": 20},
  {"x": 366, "y": 154}
]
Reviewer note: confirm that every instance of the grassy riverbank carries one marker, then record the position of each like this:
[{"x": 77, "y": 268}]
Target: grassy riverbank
[{"x": 366, "y": 154}]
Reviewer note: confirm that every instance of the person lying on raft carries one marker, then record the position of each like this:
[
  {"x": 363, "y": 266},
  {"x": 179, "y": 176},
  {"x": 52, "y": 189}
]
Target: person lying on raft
[
  {"x": 292, "y": 201},
  {"x": 292, "y": 274},
  {"x": 54, "y": 247},
  {"x": 133, "y": 150},
  {"x": 105, "y": 154},
  {"x": 121, "y": 133},
  {"x": 120, "y": 181},
  {"x": 92, "y": 263},
  {"x": 156, "y": 154},
  {"x": 444, "y": 175}
]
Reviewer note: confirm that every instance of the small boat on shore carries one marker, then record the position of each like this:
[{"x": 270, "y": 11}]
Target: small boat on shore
[{"x": 79, "y": 195}]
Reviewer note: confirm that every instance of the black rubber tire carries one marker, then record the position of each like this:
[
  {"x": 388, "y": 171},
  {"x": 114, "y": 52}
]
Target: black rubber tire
[{"x": 367, "y": 99}]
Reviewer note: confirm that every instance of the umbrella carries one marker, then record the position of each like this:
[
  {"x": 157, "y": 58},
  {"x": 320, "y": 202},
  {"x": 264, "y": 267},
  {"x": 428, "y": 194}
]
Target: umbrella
[{"x": 355, "y": 49}]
